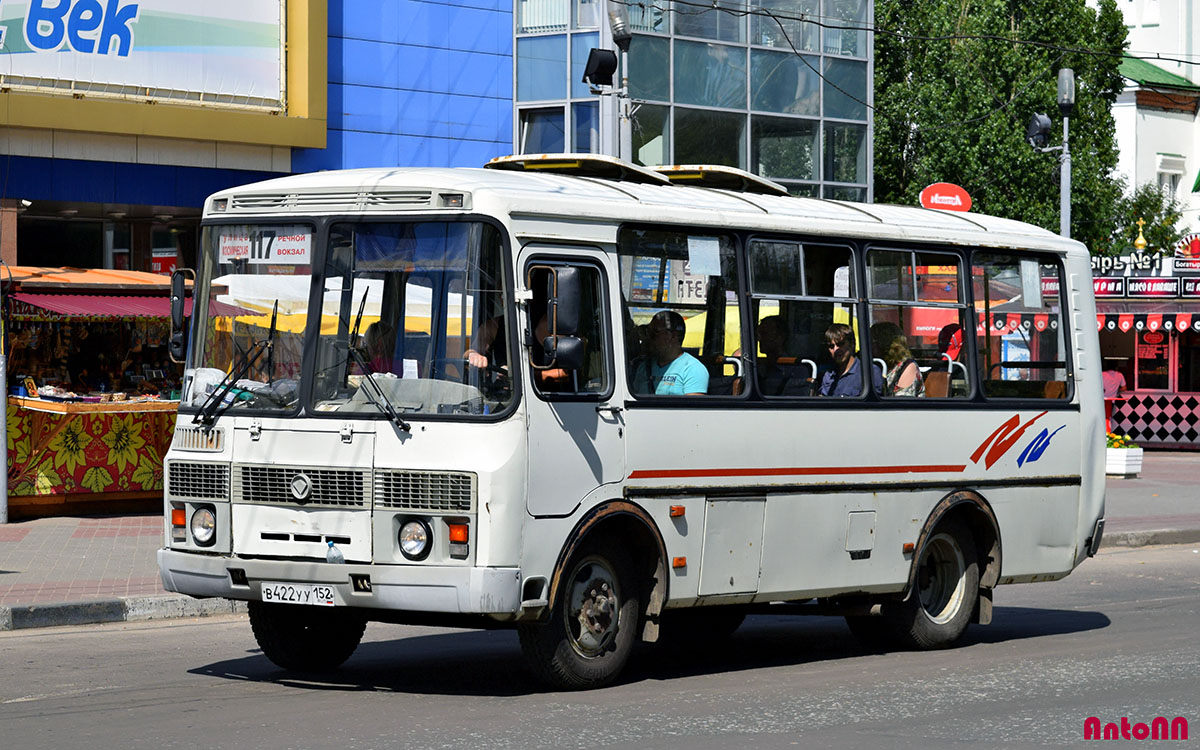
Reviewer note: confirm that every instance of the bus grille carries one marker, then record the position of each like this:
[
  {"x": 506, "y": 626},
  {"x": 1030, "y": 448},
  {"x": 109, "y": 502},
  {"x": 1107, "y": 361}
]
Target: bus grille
[
  {"x": 443, "y": 492},
  {"x": 344, "y": 488},
  {"x": 208, "y": 481}
]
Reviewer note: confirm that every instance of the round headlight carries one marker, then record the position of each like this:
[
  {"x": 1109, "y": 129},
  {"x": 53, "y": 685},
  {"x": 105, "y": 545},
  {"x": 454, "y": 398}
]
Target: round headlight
[
  {"x": 204, "y": 526},
  {"x": 414, "y": 540}
]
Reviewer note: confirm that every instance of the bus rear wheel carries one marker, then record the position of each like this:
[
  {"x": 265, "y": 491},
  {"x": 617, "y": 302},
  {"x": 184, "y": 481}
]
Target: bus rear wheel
[
  {"x": 592, "y": 628},
  {"x": 938, "y": 610},
  {"x": 306, "y": 639}
]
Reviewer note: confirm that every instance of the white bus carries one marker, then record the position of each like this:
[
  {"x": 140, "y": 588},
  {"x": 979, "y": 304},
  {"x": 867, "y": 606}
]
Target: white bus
[{"x": 600, "y": 403}]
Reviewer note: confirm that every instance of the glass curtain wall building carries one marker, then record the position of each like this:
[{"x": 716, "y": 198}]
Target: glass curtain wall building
[{"x": 781, "y": 88}]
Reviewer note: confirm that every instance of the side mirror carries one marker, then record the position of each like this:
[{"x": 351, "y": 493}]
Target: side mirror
[
  {"x": 567, "y": 353},
  {"x": 177, "y": 342},
  {"x": 563, "y": 293}
]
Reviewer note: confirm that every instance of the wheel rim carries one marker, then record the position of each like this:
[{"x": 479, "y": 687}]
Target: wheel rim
[
  {"x": 593, "y": 607},
  {"x": 941, "y": 578}
]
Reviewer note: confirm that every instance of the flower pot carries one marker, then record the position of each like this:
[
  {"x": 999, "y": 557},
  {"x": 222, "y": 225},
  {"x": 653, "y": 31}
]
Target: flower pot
[{"x": 1123, "y": 462}]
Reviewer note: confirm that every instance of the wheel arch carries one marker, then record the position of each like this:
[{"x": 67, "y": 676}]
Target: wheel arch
[
  {"x": 977, "y": 515},
  {"x": 634, "y": 530}
]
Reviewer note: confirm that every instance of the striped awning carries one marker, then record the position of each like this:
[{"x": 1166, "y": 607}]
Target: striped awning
[{"x": 102, "y": 307}]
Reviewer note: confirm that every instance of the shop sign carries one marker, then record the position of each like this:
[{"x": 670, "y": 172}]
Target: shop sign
[
  {"x": 290, "y": 246},
  {"x": 1104, "y": 265},
  {"x": 947, "y": 196},
  {"x": 1191, "y": 287},
  {"x": 182, "y": 51},
  {"x": 163, "y": 262},
  {"x": 1109, "y": 287},
  {"x": 1153, "y": 287},
  {"x": 1187, "y": 253}
]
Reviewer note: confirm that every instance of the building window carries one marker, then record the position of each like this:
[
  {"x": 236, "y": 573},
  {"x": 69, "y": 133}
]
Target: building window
[
  {"x": 542, "y": 131},
  {"x": 541, "y": 68},
  {"x": 706, "y": 137},
  {"x": 651, "y": 135}
]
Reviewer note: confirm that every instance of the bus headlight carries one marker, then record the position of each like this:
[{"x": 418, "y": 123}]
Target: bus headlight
[
  {"x": 415, "y": 540},
  {"x": 204, "y": 527}
]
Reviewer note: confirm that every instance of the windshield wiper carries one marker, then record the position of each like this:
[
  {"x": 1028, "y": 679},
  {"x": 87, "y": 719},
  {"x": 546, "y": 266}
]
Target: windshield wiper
[
  {"x": 375, "y": 394},
  {"x": 211, "y": 408}
]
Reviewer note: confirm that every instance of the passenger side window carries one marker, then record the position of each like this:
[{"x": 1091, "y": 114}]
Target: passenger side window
[
  {"x": 549, "y": 376},
  {"x": 801, "y": 294},
  {"x": 918, "y": 315},
  {"x": 682, "y": 320},
  {"x": 1019, "y": 334}
]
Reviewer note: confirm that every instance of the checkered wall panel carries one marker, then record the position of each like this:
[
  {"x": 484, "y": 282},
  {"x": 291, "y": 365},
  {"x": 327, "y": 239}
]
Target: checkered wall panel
[{"x": 1168, "y": 420}]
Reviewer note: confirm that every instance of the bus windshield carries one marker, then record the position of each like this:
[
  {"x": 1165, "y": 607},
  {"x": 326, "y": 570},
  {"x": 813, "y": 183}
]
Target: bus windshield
[
  {"x": 413, "y": 320},
  {"x": 247, "y": 341}
]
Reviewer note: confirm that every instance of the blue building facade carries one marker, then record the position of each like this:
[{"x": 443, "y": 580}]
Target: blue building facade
[{"x": 416, "y": 83}]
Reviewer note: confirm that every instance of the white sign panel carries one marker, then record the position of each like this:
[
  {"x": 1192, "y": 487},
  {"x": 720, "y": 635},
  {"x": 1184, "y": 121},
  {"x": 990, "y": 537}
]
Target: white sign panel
[
  {"x": 216, "y": 51},
  {"x": 291, "y": 246}
]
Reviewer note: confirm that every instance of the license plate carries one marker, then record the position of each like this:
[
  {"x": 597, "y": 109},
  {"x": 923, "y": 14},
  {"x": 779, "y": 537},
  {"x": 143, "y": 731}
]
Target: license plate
[{"x": 298, "y": 593}]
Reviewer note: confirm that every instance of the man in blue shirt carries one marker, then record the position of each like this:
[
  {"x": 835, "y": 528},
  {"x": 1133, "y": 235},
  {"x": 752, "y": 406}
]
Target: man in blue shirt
[
  {"x": 845, "y": 379},
  {"x": 669, "y": 371}
]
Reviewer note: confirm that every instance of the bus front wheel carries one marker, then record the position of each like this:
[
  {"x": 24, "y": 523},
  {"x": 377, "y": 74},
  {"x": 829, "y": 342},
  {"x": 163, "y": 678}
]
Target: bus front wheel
[
  {"x": 946, "y": 587},
  {"x": 592, "y": 628},
  {"x": 303, "y": 638}
]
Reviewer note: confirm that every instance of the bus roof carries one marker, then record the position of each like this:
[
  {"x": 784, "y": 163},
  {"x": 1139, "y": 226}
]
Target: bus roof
[{"x": 529, "y": 199}]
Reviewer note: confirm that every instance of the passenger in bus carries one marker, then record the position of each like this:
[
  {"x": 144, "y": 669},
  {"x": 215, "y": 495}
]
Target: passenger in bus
[
  {"x": 845, "y": 378},
  {"x": 778, "y": 371},
  {"x": 668, "y": 370},
  {"x": 381, "y": 345},
  {"x": 903, "y": 376}
]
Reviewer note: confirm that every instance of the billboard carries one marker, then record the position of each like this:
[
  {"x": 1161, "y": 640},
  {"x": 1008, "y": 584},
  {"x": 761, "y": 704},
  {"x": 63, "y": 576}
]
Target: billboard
[{"x": 215, "y": 52}]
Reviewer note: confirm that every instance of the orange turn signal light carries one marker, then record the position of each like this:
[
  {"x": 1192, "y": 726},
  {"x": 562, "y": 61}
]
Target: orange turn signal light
[
  {"x": 909, "y": 547},
  {"x": 178, "y": 517},
  {"x": 459, "y": 532},
  {"x": 678, "y": 562},
  {"x": 677, "y": 511}
]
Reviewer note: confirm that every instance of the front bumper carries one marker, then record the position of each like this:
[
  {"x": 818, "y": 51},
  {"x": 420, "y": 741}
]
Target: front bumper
[{"x": 414, "y": 588}]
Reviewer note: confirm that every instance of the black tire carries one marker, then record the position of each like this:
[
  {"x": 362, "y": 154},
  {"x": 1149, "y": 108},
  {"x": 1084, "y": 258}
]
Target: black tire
[
  {"x": 593, "y": 625},
  {"x": 306, "y": 639},
  {"x": 945, "y": 590}
]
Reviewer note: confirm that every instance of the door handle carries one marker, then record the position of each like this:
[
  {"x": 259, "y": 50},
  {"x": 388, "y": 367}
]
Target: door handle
[{"x": 614, "y": 410}]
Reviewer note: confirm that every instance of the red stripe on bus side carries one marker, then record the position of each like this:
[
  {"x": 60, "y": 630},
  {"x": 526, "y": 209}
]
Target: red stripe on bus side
[{"x": 798, "y": 471}]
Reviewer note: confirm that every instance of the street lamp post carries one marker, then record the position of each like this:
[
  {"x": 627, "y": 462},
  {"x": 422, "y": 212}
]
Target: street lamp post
[
  {"x": 1038, "y": 133},
  {"x": 598, "y": 74}
]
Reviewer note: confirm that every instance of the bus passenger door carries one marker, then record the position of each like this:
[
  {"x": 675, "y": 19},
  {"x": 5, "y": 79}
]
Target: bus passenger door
[{"x": 576, "y": 431}]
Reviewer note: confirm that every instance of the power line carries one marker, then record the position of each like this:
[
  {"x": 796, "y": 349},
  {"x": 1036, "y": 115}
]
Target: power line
[{"x": 814, "y": 19}]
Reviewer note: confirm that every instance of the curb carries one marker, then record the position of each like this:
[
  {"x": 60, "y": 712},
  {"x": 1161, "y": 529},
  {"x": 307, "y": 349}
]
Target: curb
[
  {"x": 1149, "y": 537},
  {"x": 122, "y": 609}
]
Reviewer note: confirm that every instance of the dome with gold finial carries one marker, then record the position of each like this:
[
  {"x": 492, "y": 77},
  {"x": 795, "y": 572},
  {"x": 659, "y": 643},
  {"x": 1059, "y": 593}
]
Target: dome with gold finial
[{"x": 1140, "y": 243}]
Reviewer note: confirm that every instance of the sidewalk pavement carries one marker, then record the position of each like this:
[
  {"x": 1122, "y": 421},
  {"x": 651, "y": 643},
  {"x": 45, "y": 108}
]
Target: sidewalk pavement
[{"x": 75, "y": 571}]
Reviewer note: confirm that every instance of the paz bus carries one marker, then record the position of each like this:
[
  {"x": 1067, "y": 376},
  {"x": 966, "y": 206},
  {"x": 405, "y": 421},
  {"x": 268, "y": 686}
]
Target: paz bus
[{"x": 592, "y": 401}]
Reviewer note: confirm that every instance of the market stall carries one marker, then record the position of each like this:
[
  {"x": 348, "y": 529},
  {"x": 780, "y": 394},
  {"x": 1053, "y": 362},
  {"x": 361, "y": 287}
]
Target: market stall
[{"x": 92, "y": 393}]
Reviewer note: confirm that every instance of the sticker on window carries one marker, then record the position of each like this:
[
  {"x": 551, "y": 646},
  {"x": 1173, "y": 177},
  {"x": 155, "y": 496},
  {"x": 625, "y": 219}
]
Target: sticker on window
[
  {"x": 278, "y": 245},
  {"x": 704, "y": 256}
]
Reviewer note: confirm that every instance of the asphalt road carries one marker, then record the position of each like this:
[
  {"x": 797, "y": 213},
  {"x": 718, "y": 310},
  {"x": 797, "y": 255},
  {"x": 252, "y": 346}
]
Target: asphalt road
[{"x": 1117, "y": 638}]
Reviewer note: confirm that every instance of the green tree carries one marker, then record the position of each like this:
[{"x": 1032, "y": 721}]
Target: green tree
[
  {"x": 955, "y": 110},
  {"x": 1161, "y": 216}
]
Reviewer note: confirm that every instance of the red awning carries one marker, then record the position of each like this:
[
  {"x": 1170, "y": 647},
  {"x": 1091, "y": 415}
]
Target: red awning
[{"x": 97, "y": 306}]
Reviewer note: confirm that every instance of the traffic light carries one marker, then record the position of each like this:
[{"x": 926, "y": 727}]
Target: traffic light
[{"x": 1038, "y": 131}]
